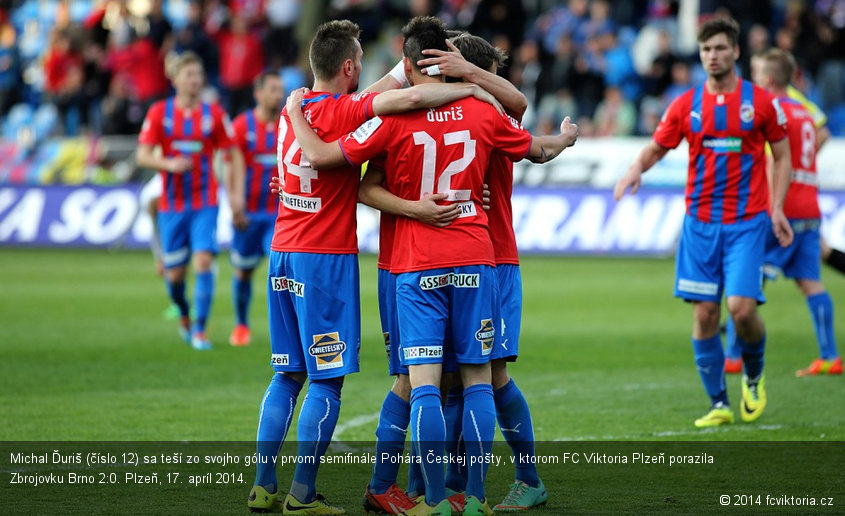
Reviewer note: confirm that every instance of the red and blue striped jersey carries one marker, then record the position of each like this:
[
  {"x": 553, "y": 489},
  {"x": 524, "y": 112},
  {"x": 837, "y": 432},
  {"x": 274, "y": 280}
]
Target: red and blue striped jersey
[
  {"x": 727, "y": 134},
  {"x": 802, "y": 200},
  {"x": 256, "y": 139},
  {"x": 194, "y": 133}
]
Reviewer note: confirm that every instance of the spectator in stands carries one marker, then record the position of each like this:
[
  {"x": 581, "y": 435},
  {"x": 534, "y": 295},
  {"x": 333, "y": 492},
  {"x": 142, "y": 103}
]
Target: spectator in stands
[
  {"x": 241, "y": 60},
  {"x": 615, "y": 116},
  {"x": 681, "y": 82},
  {"x": 280, "y": 45},
  {"x": 64, "y": 79},
  {"x": 193, "y": 37},
  {"x": 10, "y": 72},
  {"x": 159, "y": 29},
  {"x": 659, "y": 75}
]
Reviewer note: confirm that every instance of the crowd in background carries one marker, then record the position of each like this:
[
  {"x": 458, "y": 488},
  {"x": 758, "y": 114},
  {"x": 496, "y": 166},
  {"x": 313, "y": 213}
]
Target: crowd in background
[{"x": 95, "y": 66}]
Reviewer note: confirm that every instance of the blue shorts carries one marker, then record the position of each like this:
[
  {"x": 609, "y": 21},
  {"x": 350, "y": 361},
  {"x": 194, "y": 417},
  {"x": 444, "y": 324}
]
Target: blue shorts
[
  {"x": 390, "y": 327},
  {"x": 187, "y": 232},
  {"x": 249, "y": 245},
  {"x": 510, "y": 299},
  {"x": 389, "y": 321},
  {"x": 715, "y": 259},
  {"x": 314, "y": 309},
  {"x": 802, "y": 258},
  {"x": 449, "y": 308}
]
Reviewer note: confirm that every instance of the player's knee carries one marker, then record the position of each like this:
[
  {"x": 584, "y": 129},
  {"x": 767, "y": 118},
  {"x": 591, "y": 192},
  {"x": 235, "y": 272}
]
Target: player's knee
[
  {"x": 474, "y": 374},
  {"x": 744, "y": 314},
  {"x": 175, "y": 274},
  {"x": 202, "y": 261},
  {"x": 298, "y": 377},
  {"x": 810, "y": 287},
  {"x": 402, "y": 387},
  {"x": 243, "y": 274},
  {"x": 707, "y": 317},
  {"x": 499, "y": 373}
]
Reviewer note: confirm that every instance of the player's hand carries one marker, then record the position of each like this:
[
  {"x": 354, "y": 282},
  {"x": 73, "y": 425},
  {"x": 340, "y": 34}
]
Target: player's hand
[
  {"x": 485, "y": 197},
  {"x": 178, "y": 164},
  {"x": 159, "y": 267},
  {"x": 239, "y": 219},
  {"x": 275, "y": 185},
  {"x": 485, "y": 96},
  {"x": 427, "y": 210},
  {"x": 294, "y": 101},
  {"x": 569, "y": 132},
  {"x": 631, "y": 180},
  {"x": 450, "y": 63},
  {"x": 781, "y": 227}
]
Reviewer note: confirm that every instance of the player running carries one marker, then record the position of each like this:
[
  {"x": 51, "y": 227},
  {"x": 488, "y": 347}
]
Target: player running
[
  {"x": 726, "y": 122},
  {"x": 801, "y": 260},
  {"x": 445, "y": 277},
  {"x": 256, "y": 132},
  {"x": 313, "y": 290},
  {"x": 189, "y": 131}
]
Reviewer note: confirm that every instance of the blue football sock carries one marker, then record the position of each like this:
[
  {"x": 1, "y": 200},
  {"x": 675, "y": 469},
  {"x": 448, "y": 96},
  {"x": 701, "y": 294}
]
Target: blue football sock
[
  {"x": 821, "y": 309},
  {"x": 416, "y": 483},
  {"x": 390, "y": 434},
  {"x": 453, "y": 413},
  {"x": 515, "y": 421},
  {"x": 428, "y": 431},
  {"x": 752, "y": 356},
  {"x": 203, "y": 295},
  {"x": 274, "y": 419},
  {"x": 710, "y": 362},
  {"x": 732, "y": 350},
  {"x": 479, "y": 426},
  {"x": 317, "y": 420},
  {"x": 242, "y": 293},
  {"x": 176, "y": 291}
]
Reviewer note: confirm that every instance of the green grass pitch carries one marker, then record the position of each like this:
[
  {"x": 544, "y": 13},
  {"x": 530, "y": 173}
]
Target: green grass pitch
[{"x": 86, "y": 355}]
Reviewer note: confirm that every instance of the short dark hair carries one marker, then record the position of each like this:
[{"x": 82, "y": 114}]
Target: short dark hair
[
  {"x": 421, "y": 33},
  {"x": 261, "y": 78},
  {"x": 479, "y": 51},
  {"x": 727, "y": 26},
  {"x": 334, "y": 43}
]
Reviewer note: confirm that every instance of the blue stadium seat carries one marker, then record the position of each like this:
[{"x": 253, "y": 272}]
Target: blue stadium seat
[{"x": 44, "y": 121}]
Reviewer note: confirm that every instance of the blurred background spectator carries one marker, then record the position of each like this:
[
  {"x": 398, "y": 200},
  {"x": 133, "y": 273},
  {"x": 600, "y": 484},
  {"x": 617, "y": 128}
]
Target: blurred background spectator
[{"x": 612, "y": 65}]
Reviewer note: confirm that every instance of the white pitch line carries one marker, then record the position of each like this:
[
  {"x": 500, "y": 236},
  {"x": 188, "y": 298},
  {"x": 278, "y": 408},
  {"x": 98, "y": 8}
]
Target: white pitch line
[{"x": 672, "y": 433}]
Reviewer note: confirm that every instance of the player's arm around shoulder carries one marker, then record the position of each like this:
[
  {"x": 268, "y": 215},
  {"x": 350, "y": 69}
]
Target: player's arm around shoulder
[
  {"x": 372, "y": 193},
  {"x": 430, "y": 95},
  {"x": 320, "y": 154}
]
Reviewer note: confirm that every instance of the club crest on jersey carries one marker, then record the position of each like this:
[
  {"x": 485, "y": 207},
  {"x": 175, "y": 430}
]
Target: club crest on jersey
[
  {"x": 746, "y": 112},
  {"x": 328, "y": 350},
  {"x": 422, "y": 352},
  {"x": 451, "y": 278},
  {"x": 485, "y": 335},
  {"x": 445, "y": 115},
  {"x": 283, "y": 283},
  {"x": 366, "y": 129}
]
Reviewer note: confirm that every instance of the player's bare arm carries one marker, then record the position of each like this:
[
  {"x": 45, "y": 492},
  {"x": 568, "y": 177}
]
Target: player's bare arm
[
  {"x": 651, "y": 154},
  {"x": 822, "y": 136},
  {"x": 373, "y": 194},
  {"x": 234, "y": 179},
  {"x": 453, "y": 64},
  {"x": 781, "y": 171},
  {"x": 146, "y": 158},
  {"x": 320, "y": 155},
  {"x": 430, "y": 95},
  {"x": 547, "y": 148}
]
